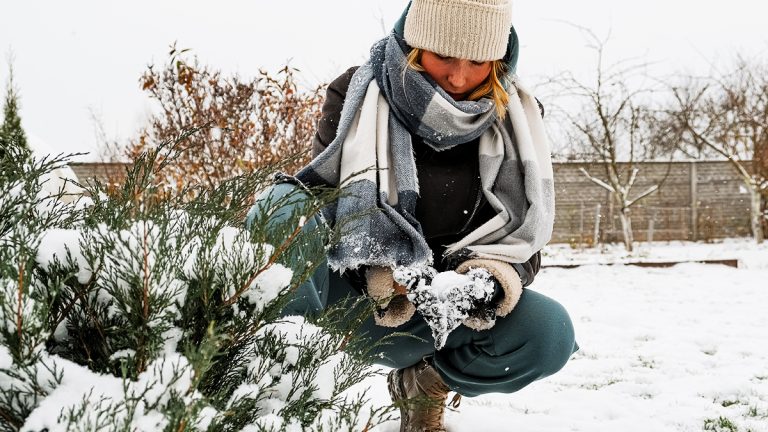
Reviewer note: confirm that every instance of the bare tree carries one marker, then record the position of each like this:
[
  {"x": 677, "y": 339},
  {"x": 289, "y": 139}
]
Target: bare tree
[
  {"x": 242, "y": 124},
  {"x": 109, "y": 148},
  {"x": 611, "y": 126},
  {"x": 727, "y": 115}
]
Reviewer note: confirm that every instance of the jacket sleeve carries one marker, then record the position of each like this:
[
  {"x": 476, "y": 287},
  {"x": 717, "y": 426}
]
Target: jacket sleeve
[
  {"x": 529, "y": 269},
  {"x": 509, "y": 280},
  {"x": 331, "y": 112}
]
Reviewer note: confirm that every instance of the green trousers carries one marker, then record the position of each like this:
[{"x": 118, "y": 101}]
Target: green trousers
[{"x": 534, "y": 341}]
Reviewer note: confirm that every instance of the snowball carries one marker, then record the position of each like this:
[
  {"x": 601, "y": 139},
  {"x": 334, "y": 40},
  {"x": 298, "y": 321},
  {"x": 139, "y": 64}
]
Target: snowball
[
  {"x": 445, "y": 299},
  {"x": 444, "y": 282}
]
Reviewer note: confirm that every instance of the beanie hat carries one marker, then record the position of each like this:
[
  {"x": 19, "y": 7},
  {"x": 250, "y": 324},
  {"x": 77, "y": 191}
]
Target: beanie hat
[{"x": 468, "y": 29}]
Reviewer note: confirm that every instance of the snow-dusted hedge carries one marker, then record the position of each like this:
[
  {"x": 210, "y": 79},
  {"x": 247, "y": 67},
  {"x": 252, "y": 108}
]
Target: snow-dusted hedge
[{"x": 142, "y": 312}]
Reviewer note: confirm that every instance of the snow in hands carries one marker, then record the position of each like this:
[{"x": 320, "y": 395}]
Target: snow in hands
[{"x": 445, "y": 299}]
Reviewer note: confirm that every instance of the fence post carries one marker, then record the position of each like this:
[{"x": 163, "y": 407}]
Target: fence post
[
  {"x": 651, "y": 222},
  {"x": 581, "y": 224},
  {"x": 694, "y": 178},
  {"x": 596, "y": 235}
]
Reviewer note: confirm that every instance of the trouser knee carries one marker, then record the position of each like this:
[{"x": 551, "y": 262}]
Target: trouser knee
[
  {"x": 534, "y": 341},
  {"x": 277, "y": 204},
  {"x": 553, "y": 342}
]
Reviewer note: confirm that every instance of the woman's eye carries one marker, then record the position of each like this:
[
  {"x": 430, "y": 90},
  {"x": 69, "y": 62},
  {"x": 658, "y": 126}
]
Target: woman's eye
[
  {"x": 478, "y": 63},
  {"x": 442, "y": 57}
]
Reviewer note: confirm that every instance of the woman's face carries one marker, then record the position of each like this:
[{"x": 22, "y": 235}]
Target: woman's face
[{"x": 458, "y": 77}]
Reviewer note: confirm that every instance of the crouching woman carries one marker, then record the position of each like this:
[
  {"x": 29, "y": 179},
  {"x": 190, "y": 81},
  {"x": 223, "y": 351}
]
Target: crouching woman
[{"x": 461, "y": 180}]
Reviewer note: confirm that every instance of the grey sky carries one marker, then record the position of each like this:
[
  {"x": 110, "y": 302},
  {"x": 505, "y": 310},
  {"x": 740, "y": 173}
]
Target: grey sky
[{"x": 76, "y": 56}]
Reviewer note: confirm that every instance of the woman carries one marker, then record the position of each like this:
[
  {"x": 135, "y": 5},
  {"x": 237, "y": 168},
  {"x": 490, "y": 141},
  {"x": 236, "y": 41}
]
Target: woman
[{"x": 462, "y": 181}]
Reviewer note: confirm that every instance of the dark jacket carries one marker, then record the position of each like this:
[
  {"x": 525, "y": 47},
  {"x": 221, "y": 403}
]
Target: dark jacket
[{"x": 451, "y": 202}]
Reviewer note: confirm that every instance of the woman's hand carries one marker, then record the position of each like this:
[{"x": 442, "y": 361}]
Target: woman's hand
[
  {"x": 399, "y": 288},
  {"x": 406, "y": 278}
]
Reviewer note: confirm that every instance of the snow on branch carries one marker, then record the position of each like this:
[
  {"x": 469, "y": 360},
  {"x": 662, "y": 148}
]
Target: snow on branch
[
  {"x": 597, "y": 181},
  {"x": 647, "y": 192}
]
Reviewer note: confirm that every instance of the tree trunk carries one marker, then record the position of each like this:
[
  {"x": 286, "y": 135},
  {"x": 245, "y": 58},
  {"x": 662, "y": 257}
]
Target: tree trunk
[
  {"x": 626, "y": 227},
  {"x": 756, "y": 217}
]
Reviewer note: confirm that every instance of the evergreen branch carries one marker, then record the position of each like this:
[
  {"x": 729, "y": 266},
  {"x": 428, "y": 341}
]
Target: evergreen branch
[
  {"x": 85, "y": 347},
  {"x": 10, "y": 420},
  {"x": 146, "y": 273},
  {"x": 77, "y": 298},
  {"x": 182, "y": 425},
  {"x": 272, "y": 259},
  {"x": 145, "y": 300},
  {"x": 345, "y": 341},
  {"x": 96, "y": 321},
  {"x": 18, "y": 309}
]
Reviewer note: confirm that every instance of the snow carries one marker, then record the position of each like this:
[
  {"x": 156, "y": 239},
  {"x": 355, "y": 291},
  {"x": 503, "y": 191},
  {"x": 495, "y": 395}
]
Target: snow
[
  {"x": 748, "y": 254},
  {"x": 272, "y": 422},
  {"x": 171, "y": 371},
  {"x": 662, "y": 349},
  {"x": 268, "y": 285},
  {"x": 76, "y": 382},
  {"x": 167, "y": 375},
  {"x": 125, "y": 353},
  {"x": 6, "y": 361},
  {"x": 325, "y": 378},
  {"x": 58, "y": 244},
  {"x": 205, "y": 418},
  {"x": 29, "y": 309},
  {"x": 444, "y": 299},
  {"x": 233, "y": 241},
  {"x": 61, "y": 179},
  {"x": 276, "y": 379}
]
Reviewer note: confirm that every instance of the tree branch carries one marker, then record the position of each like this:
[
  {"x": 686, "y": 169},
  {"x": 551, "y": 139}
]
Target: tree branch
[{"x": 597, "y": 181}]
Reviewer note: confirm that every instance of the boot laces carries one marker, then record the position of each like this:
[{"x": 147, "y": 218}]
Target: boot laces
[
  {"x": 455, "y": 401},
  {"x": 437, "y": 394}
]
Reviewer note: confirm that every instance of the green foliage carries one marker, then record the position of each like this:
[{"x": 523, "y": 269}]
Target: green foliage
[
  {"x": 720, "y": 424},
  {"x": 148, "y": 310},
  {"x": 11, "y": 133}
]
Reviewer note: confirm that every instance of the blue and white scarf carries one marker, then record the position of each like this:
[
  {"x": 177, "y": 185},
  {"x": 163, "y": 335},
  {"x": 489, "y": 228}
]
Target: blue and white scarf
[{"x": 372, "y": 159}]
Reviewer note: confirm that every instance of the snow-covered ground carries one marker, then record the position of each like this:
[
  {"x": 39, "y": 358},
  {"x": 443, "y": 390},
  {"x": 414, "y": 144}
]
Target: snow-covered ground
[
  {"x": 748, "y": 254},
  {"x": 683, "y": 348}
]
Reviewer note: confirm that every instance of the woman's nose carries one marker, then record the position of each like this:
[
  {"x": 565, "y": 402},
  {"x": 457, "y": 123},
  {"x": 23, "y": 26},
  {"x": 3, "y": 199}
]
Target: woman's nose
[{"x": 457, "y": 77}]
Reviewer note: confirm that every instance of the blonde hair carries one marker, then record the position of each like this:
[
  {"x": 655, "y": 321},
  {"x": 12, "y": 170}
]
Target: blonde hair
[{"x": 492, "y": 87}]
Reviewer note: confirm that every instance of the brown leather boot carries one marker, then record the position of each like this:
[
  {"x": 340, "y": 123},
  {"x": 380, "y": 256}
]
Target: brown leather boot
[{"x": 420, "y": 393}]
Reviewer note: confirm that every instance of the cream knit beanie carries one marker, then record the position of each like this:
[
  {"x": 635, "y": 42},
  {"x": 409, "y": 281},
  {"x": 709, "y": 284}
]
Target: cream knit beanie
[{"x": 468, "y": 29}]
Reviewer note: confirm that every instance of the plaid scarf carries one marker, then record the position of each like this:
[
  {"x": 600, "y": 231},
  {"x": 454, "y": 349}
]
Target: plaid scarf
[{"x": 372, "y": 159}]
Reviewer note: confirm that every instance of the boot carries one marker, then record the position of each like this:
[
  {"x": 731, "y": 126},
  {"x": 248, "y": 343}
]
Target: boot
[{"x": 420, "y": 393}]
